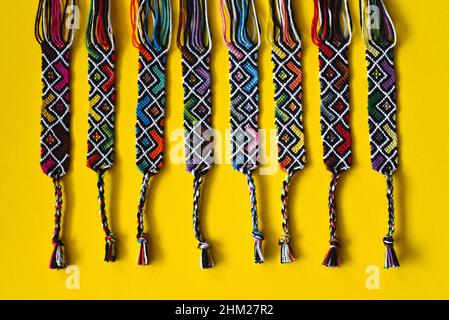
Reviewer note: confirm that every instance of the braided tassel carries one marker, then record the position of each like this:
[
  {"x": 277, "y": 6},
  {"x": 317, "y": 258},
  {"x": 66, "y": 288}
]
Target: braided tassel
[
  {"x": 206, "y": 258},
  {"x": 332, "y": 259},
  {"x": 256, "y": 234},
  {"x": 57, "y": 260},
  {"x": 143, "y": 259},
  {"x": 391, "y": 260},
  {"x": 110, "y": 252},
  {"x": 142, "y": 238},
  {"x": 286, "y": 253}
]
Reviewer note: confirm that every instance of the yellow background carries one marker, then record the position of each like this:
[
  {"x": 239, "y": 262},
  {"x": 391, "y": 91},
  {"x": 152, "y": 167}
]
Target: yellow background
[{"x": 26, "y": 194}]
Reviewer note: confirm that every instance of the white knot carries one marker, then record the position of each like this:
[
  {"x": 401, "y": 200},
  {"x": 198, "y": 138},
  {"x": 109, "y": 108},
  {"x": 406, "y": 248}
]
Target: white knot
[{"x": 204, "y": 245}]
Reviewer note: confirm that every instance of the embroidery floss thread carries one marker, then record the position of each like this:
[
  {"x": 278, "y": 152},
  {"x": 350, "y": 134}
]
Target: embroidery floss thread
[
  {"x": 153, "y": 48},
  {"x": 333, "y": 40},
  {"x": 102, "y": 97},
  {"x": 194, "y": 41},
  {"x": 286, "y": 56},
  {"x": 55, "y": 38},
  {"x": 380, "y": 41},
  {"x": 244, "y": 80}
]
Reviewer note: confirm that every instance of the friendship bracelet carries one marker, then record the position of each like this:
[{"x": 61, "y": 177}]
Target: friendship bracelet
[
  {"x": 151, "y": 22},
  {"x": 244, "y": 81},
  {"x": 194, "y": 41},
  {"x": 153, "y": 47},
  {"x": 55, "y": 42},
  {"x": 102, "y": 97},
  {"x": 286, "y": 56},
  {"x": 333, "y": 40},
  {"x": 380, "y": 41}
]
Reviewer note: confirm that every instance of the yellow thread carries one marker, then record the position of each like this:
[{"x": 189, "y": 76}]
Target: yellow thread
[
  {"x": 394, "y": 139},
  {"x": 300, "y": 143},
  {"x": 45, "y": 103},
  {"x": 92, "y": 112}
]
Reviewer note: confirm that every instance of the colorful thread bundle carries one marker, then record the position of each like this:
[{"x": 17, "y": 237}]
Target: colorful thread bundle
[
  {"x": 380, "y": 40},
  {"x": 153, "y": 47},
  {"x": 244, "y": 80},
  {"x": 55, "y": 38},
  {"x": 286, "y": 56},
  {"x": 194, "y": 41},
  {"x": 102, "y": 97},
  {"x": 333, "y": 40}
]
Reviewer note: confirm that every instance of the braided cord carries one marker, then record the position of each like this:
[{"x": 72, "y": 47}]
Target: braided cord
[
  {"x": 390, "y": 199},
  {"x": 332, "y": 208},
  {"x": 58, "y": 210},
  {"x": 197, "y": 182},
  {"x": 284, "y": 207},
  {"x": 256, "y": 233},
  {"x": 206, "y": 258},
  {"x": 391, "y": 259},
  {"x": 142, "y": 237},
  {"x": 253, "y": 201},
  {"x": 286, "y": 253},
  {"x": 57, "y": 260},
  {"x": 102, "y": 203},
  {"x": 332, "y": 258},
  {"x": 141, "y": 206}
]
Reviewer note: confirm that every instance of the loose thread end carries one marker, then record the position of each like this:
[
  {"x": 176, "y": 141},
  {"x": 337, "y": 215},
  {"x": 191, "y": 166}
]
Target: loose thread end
[
  {"x": 57, "y": 260},
  {"x": 391, "y": 259},
  {"x": 110, "y": 252},
  {"x": 143, "y": 258},
  {"x": 206, "y": 259},
  {"x": 258, "y": 256},
  {"x": 286, "y": 253},
  {"x": 332, "y": 259}
]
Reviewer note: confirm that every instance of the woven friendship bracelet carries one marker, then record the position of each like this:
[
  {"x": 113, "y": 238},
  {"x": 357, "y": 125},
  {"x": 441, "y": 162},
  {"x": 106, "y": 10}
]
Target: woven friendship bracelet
[
  {"x": 153, "y": 47},
  {"x": 55, "y": 38},
  {"x": 102, "y": 97},
  {"x": 244, "y": 81},
  {"x": 380, "y": 40},
  {"x": 333, "y": 40},
  {"x": 194, "y": 41},
  {"x": 286, "y": 57}
]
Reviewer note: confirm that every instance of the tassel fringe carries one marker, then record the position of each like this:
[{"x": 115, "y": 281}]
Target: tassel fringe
[
  {"x": 110, "y": 252},
  {"x": 286, "y": 253},
  {"x": 57, "y": 260},
  {"x": 391, "y": 260},
  {"x": 332, "y": 259},
  {"x": 143, "y": 258},
  {"x": 206, "y": 259}
]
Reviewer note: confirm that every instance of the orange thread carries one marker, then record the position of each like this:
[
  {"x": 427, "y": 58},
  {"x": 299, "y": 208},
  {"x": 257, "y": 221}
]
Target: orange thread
[{"x": 224, "y": 25}]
